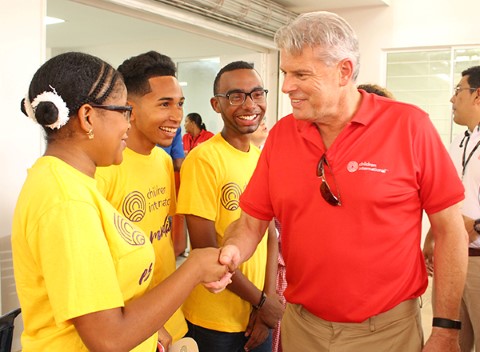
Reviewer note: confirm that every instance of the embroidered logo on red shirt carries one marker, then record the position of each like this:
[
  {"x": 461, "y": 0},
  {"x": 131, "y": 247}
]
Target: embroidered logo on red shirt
[{"x": 354, "y": 166}]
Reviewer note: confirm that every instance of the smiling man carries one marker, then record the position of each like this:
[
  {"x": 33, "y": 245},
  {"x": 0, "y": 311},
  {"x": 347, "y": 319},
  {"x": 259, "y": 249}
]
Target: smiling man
[
  {"x": 214, "y": 174},
  {"x": 142, "y": 187},
  {"x": 348, "y": 175}
]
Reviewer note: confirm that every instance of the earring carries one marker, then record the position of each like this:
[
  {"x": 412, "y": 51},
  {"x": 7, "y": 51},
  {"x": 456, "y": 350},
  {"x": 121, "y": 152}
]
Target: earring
[{"x": 90, "y": 134}]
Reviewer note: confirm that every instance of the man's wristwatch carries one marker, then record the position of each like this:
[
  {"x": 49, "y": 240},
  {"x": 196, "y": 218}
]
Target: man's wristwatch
[
  {"x": 476, "y": 226},
  {"x": 446, "y": 323}
]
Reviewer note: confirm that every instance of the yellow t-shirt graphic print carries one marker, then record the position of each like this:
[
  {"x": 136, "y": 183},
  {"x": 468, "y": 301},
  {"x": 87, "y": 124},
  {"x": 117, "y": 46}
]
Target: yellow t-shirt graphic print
[
  {"x": 142, "y": 187},
  {"x": 74, "y": 254},
  {"x": 214, "y": 175}
]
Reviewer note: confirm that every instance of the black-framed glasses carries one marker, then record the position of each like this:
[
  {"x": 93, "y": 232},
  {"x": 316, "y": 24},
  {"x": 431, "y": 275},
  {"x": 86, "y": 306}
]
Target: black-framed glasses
[
  {"x": 325, "y": 190},
  {"x": 126, "y": 110},
  {"x": 458, "y": 89},
  {"x": 236, "y": 97}
]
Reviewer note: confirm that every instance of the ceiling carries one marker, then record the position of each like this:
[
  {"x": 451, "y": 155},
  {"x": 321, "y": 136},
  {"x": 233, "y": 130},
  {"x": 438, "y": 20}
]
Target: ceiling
[
  {"x": 300, "y": 6},
  {"x": 89, "y": 26}
]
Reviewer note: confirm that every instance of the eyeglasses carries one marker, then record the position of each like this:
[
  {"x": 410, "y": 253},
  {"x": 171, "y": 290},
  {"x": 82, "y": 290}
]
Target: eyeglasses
[
  {"x": 325, "y": 190},
  {"x": 125, "y": 109},
  {"x": 238, "y": 98},
  {"x": 458, "y": 89}
]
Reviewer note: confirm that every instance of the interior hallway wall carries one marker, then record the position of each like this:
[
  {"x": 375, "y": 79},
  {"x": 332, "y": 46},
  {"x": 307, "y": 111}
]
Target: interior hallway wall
[{"x": 410, "y": 24}]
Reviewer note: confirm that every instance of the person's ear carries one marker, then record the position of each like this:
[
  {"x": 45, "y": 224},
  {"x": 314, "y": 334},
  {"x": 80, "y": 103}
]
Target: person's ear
[
  {"x": 133, "y": 115},
  {"x": 85, "y": 117},
  {"x": 215, "y": 104},
  {"x": 346, "y": 69},
  {"x": 477, "y": 96}
]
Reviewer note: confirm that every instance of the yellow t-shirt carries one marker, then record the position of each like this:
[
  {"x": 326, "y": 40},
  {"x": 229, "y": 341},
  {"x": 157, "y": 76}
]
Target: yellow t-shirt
[
  {"x": 73, "y": 254},
  {"x": 142, "y": 188},
  {"x": 214, "y": 175}
]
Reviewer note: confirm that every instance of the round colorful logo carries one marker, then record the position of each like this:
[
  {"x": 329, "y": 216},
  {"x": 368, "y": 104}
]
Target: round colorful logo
[{"x": 352, "y": 166}]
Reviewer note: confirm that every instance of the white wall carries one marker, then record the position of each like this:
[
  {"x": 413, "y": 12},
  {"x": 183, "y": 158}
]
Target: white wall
[
  {"x": 22, "y": 39},
  {"x": 190, "y": 37},
  {"x": 410, "y": 23}
]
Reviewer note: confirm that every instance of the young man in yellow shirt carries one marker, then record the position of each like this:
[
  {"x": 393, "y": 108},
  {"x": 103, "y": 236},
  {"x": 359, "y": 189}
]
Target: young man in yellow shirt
[
  {"x": 214, "y": 174},
  {"x": 142, "y": 187}
]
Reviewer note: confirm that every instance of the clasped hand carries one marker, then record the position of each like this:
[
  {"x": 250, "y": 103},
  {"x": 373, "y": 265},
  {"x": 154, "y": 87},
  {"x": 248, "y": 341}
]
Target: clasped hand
[
  {"x": 230, "y": 257},
  {"x": 214, "y": 275},
  {"x": 262, "y": 320}
]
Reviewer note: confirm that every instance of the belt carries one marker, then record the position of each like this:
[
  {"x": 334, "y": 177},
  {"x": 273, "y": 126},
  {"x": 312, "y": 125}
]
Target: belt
[{"x": 473, "y": 252}]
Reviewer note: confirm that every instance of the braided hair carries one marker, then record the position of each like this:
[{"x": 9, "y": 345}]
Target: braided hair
[{"x": 63, "y": 84}]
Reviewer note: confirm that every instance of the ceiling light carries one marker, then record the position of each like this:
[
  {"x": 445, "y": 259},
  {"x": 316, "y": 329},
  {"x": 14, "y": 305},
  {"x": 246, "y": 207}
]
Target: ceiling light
[{"x": 53, "y": 20}]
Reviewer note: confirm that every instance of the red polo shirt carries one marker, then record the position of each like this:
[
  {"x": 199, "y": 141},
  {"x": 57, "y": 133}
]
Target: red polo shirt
[{"x": 350, "y": 262}]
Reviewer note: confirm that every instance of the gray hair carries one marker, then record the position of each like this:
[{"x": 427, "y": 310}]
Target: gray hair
[{"x": 324, "y": 29}]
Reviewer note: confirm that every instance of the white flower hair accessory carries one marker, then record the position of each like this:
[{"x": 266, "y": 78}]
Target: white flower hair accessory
[
  {"x": 54, "y": 98},
  {"x": 28, "y": 108}
]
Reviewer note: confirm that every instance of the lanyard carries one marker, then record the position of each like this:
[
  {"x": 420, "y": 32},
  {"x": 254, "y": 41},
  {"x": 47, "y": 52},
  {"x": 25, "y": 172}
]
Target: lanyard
[{"x": 465, "y": 162}]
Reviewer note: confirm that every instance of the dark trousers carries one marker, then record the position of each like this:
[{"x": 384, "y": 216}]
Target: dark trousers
[{"x": 219, "y": 341}]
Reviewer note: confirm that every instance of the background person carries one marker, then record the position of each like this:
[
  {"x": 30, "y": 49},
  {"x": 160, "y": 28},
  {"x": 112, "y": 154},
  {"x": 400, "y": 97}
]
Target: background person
[
  {"x": 260, "y": 135},
  {"x": 376, "y": 89},
  {"x": 82, "y": 270},
  {"x": 213, "y": 177},
  {"x": 348, "y": 175},
  {"x": 465, "y": 153},
  {"x": 175, "y": 150},
  {"x": 258, "y": 139},
  {"x": 196, "y": 132},
  {"x": 179, "y": 233},
  {"x": 281, "y": 286}
]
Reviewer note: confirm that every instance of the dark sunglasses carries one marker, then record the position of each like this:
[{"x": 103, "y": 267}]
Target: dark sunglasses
[{"x": 325, "y": 190}]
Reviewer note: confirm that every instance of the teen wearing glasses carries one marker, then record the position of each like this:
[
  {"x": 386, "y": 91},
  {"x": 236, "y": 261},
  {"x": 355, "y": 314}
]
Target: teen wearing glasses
[
  {"x": 213, "y": 175},
  {"x": 348, "y": 175},
  {"x": 83, "y": 271}
]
